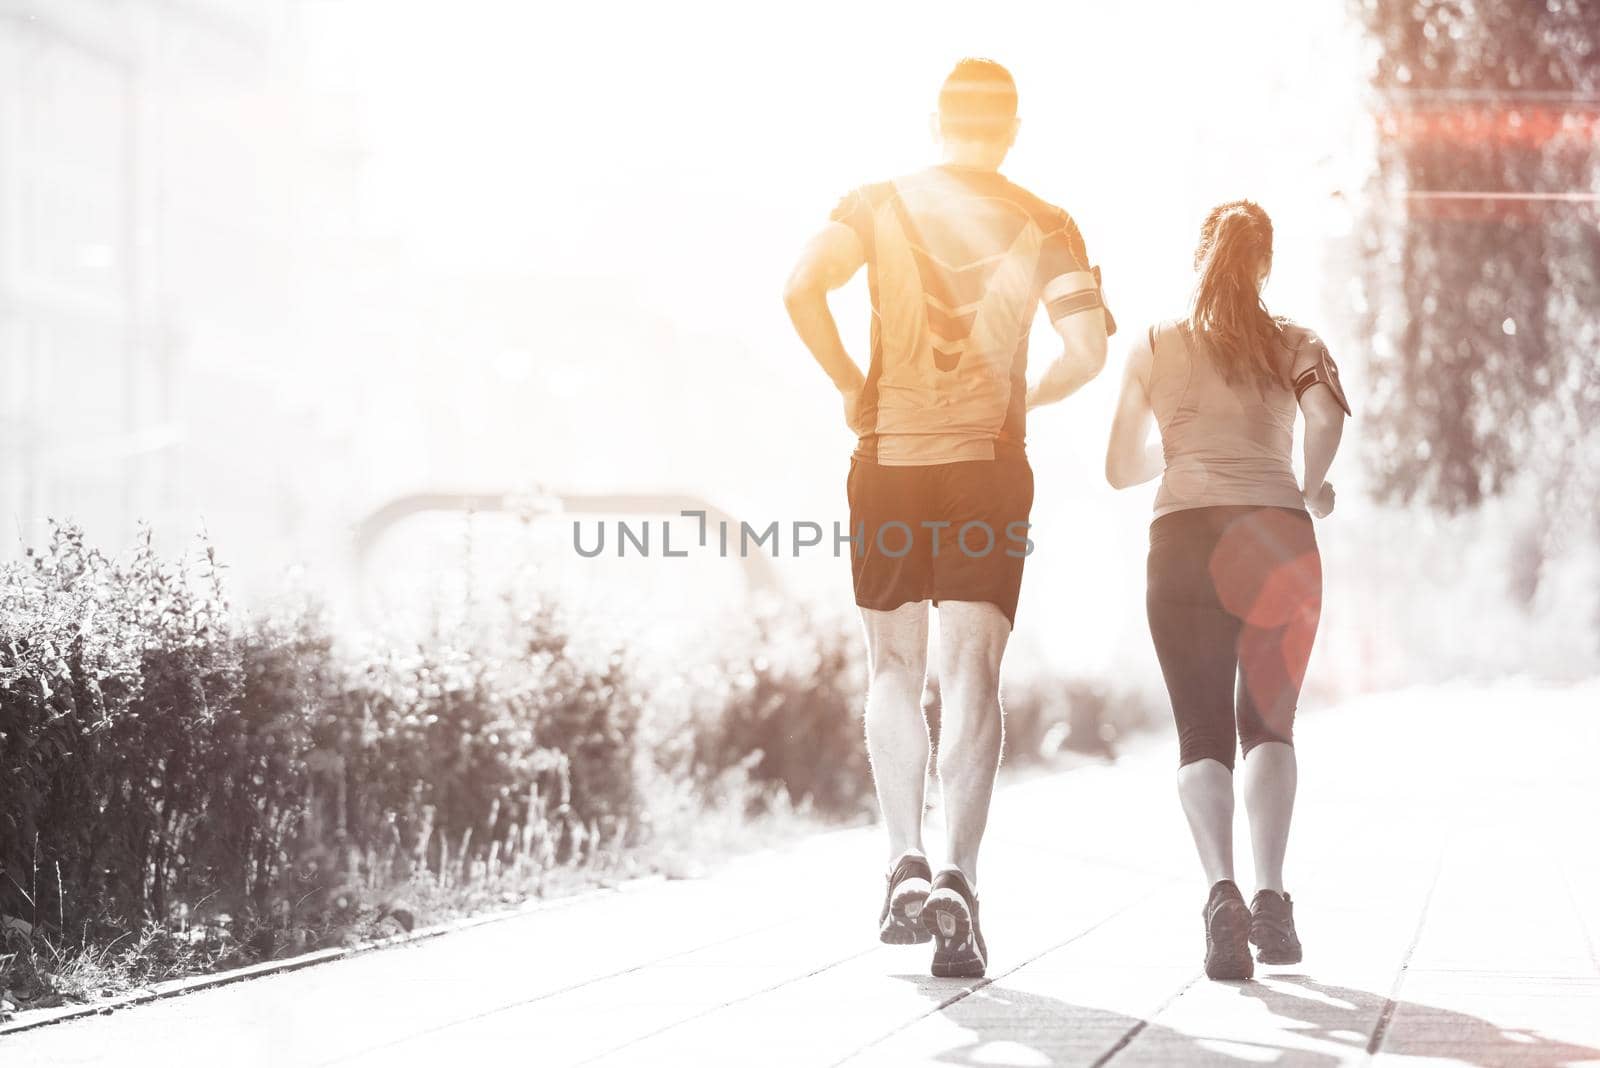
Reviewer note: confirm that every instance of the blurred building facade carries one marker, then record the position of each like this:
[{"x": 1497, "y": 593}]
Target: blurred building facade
[{"x": 166, "y": 199}]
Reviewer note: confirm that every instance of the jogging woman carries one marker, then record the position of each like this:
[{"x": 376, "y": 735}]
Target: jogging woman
[{"x": 1235, "y": 581}]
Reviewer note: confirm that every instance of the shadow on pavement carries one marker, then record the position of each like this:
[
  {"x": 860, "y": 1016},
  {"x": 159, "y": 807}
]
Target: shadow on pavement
[
  {"x": 1346, "y": 1016},
  {"x": 1022, "y": 1027},
  {"x": 1008, "y": 1026}
]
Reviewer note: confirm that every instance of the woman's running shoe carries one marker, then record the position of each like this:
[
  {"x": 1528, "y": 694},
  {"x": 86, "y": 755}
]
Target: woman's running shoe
[
  {"x": 951, "y": 917},
  {"x": 902, "y": 902},
  {"x": 1272, "y": 928},
  {"x": 1227, "y": 933}
]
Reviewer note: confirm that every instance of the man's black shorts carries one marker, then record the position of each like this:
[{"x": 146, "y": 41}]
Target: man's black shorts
[{"x": 940, "y": 532}]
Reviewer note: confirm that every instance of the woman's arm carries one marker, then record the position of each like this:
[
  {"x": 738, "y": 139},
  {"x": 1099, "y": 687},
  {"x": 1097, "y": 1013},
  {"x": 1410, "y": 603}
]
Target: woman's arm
[
  {"x": 1324, "y": 415},
  {"x": 1132, "y": 456}
]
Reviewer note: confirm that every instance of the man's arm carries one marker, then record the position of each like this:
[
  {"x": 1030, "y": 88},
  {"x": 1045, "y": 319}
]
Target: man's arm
[
  {"x": 1078, "y": 316},
  {"x": 828, "y": 262}
]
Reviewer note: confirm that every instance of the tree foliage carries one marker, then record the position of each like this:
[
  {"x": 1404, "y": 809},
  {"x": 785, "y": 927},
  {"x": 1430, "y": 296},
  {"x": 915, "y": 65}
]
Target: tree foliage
[{"x": 1483, "y": 303}]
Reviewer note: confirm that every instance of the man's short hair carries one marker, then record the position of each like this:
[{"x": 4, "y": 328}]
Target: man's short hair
[{"x": 978, "y": 101}]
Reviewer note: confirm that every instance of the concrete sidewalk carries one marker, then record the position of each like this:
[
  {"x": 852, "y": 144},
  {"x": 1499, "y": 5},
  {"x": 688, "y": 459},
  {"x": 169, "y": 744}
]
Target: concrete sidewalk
[{"x": 1444, "y": 868}]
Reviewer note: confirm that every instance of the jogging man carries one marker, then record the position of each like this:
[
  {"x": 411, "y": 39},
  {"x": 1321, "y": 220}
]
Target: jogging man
[{"x": 958, "y": 259}]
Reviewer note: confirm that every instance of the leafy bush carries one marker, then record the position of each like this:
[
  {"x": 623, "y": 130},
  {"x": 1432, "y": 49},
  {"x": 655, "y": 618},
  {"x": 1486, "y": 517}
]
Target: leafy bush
[
  {"x": 783, "y": 706},
  {"x": 1045, "y": 716},
  {"x": 113, "y": 678},
  {"x": 158, "y": 753}
]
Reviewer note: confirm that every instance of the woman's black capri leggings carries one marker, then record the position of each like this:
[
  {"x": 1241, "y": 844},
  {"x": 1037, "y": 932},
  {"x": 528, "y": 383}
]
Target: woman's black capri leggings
[{"x": 1234, "y": 597}]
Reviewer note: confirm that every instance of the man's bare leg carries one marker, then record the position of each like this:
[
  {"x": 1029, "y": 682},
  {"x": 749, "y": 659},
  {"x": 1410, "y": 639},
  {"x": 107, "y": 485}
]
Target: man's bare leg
[
  {"x": 972, "y": 640},
  {"x": 897, "y": 731}
]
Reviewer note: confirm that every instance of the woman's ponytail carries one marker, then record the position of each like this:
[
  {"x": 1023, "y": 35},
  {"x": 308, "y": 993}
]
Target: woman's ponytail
[{"x": 1228, "y": 316}]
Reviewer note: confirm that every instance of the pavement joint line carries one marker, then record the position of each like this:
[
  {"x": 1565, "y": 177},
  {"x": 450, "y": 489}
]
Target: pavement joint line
[
  {"x": 262, "y": 969},
  {"x": 496, "y": 1010},
  {"x": 1381, "y": 1028},
  {"x": 728, "y": 1004},
  {"x": 989, "y": 980},
  {"x": 1133, "y": 1032}
]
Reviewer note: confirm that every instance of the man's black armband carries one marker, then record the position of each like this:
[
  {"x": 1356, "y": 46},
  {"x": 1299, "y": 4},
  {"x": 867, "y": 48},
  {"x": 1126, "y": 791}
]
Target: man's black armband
[
  {"x": 1073, "y": 303},
  {"x": 1081, "y": 301}
]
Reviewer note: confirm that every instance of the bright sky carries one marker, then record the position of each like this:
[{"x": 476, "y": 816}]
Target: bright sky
[{"x": 656, "y": 168}]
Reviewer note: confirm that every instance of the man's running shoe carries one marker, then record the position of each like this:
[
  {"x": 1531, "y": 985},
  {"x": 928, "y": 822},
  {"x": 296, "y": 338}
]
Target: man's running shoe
[
  {"x": 902, "y": 902},
  {"x": 1272, "y": 928},
  {"x": 951, "y": 917},
  {"x": 1227, "y": 933}
]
